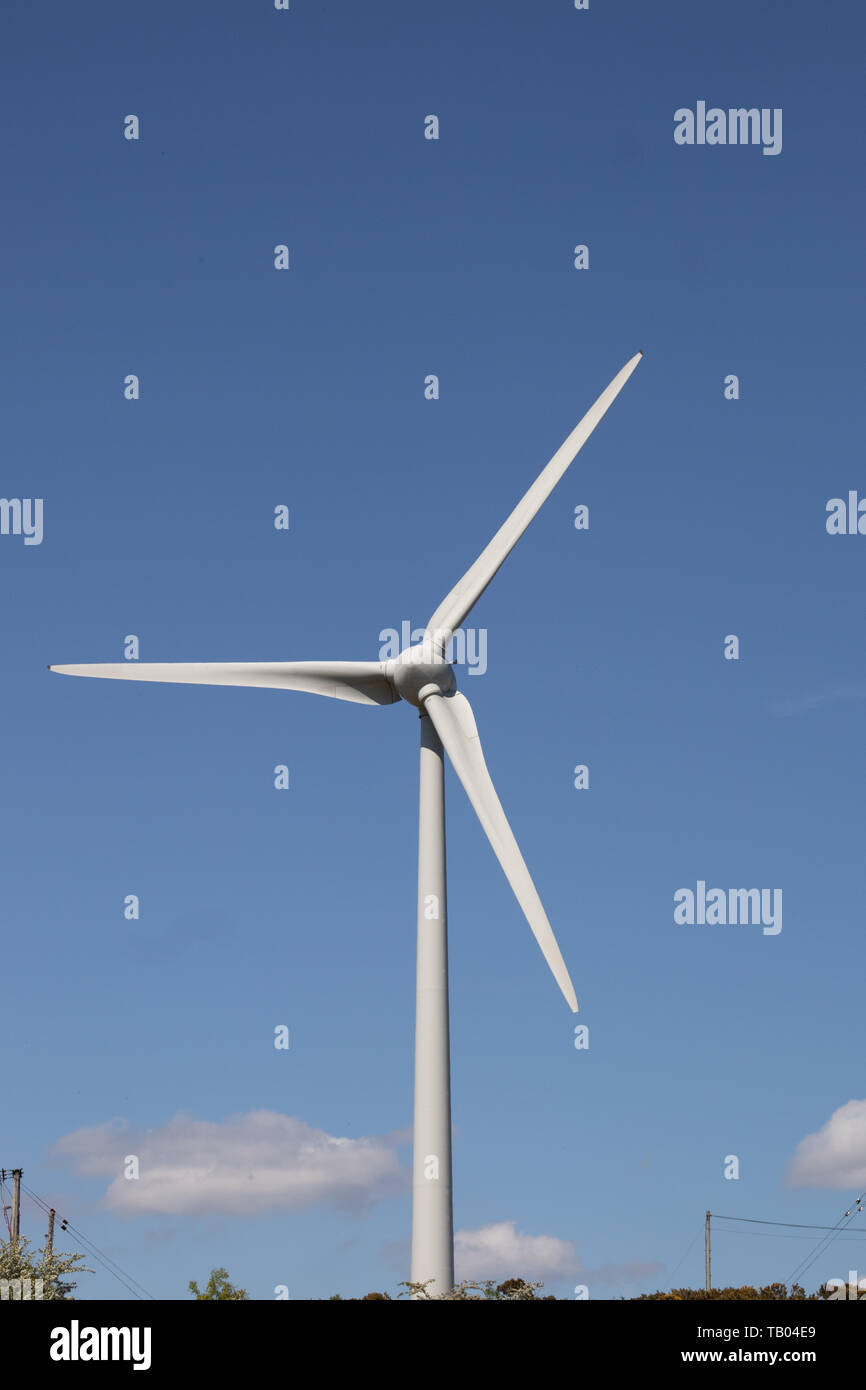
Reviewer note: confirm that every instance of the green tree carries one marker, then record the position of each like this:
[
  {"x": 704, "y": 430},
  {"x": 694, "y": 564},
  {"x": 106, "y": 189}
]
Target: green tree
[
  {"x": 770, "y": 1293},
  {"x": 509, "y": 1291},
  {"x": 23, "y": 1262},
  {"x": 217, "y": 1286}
]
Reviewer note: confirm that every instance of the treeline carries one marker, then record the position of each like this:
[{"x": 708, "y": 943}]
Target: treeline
[
  {"x": 514, "y": 1290},
  {"x": 747, "y": 1293}
]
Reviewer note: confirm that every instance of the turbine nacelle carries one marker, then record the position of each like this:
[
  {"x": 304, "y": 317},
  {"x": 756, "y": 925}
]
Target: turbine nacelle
[{"x": 421, "y": 671}]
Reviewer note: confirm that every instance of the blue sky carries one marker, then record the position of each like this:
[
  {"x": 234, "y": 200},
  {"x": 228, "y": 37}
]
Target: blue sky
[{"x": 305, "y": 388}]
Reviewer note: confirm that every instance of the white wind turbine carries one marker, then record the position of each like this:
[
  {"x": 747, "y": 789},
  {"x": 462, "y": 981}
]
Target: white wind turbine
[{"x": 422, "y": 676}]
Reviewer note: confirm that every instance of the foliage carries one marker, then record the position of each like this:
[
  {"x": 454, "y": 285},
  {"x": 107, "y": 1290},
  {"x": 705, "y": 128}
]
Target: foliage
[
  {"x": 509, "y": 1291},
  {"x": 217, "y": 1287},
  {"x": 770, "y": 1293},
  {"x": 852, "y": 1291},
  {"x": 514, "y": 1290},
  {"x": 23, "y": 1262}
]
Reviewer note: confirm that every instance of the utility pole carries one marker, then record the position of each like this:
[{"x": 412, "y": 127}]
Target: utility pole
[
  {"x": 16, "y": 1205},
  {"x": 707, "y": 1250},
  {"x": 49, "y": 1239}
]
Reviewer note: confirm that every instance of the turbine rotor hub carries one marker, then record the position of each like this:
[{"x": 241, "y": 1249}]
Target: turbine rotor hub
[{"x": 421, "y": 669}]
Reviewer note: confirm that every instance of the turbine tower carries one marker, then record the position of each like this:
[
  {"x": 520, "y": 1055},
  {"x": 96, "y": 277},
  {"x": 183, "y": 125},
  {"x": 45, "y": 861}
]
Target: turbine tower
[{"x": 423, "y": 677}]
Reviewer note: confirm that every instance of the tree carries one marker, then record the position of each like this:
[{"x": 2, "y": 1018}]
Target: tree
[
  {"x": 218, "y": 1287},
  {"x": 509, "y": 1291},
  {"x": 24, "y": 1263},
  {"x": 770, "y": 1293}
]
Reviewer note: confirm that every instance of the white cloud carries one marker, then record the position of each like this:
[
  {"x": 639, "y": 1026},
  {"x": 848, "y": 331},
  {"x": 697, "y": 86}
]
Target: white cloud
[
  {"x": 836, "y": 1155},
  {"x": 243, "y": 1165},
  {"x": 499, "y": 1251}
]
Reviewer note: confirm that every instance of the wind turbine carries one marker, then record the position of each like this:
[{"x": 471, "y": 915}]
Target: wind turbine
[{"x": 422, "y": 676}]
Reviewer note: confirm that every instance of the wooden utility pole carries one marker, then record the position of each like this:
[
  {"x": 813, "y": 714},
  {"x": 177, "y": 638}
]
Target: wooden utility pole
[
  {"x": 707, "y": 1250},
  {"x": 49, "y": 1239},
  {"x": 16, "y": 1205}
]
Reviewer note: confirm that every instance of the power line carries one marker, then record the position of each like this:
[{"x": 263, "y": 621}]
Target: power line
[
  {"x": 105, "y": 1260},
  {"x": 826, "y": 1241},
  {"x": 688, "y": 1252},
  {"x": 843, "y": 1227},
  {"x": 754, "y": 1220},
  {"x": 94, "y": 1251},
  {"x": 846, "y": 1238}
]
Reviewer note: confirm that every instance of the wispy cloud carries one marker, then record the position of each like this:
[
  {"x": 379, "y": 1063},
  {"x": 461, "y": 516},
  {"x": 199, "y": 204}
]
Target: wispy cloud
[
  {"x": 804, "y": 704},
  {"x": 835, "y": 1156},
  {"x": 243, "y": 1165}
]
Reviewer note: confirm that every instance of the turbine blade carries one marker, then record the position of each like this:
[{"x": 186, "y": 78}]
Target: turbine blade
[
  {"x": 462, "y": 598},
  {"x": 454, "y": 722},
  {"x": 363, "y": 682}
]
